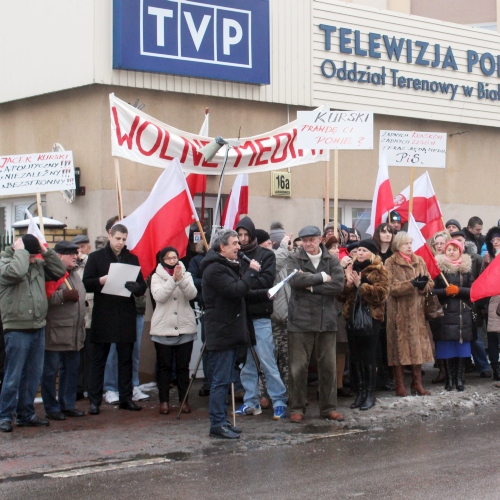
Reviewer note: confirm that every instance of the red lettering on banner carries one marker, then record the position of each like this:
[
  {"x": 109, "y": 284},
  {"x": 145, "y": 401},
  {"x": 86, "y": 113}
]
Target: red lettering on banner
[
  {"x": 128, "y": 138},
  {"x": 262, "y": 150},
  {"x": 278, "y": 144},
  {"x": 248, "y": 144},
  {"x": 291, "y": 144},
  {"x": 156, "y": 145},
  {"x": 164, "y": 147},
  {"x": 188, "y": 145},
  {"x": 205, "y": 163}
]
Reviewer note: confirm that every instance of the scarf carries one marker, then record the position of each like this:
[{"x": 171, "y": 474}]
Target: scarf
[
  {"x": 455, "y": 263},
  {"x": 169, "y": 268},
  {"x": 406, "y": 257},
  {"x": 250, "y": 246},
  {"x": 360, "y": 266}
]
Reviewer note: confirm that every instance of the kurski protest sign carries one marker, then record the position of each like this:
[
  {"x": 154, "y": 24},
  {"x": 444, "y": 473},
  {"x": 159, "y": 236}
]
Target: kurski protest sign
[
  {"x": 141, "y": 138},
  {"x": 414, "y": 149},
  {"x": 327, "y": 129},
  {"x": 36, "y": 173}
]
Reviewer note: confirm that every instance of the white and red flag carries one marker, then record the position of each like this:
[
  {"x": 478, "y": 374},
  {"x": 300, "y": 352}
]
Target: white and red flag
[
  {"x": 426, "y": 209},
  {"x": 34, "y": 230},
  {"x": 237, "y": 203},
  {"x": 162, "y": 219},
  {"x": 197, "y": 183},
  {"x": 383, "y": 200},
  {"x": 420, "y": 248}
]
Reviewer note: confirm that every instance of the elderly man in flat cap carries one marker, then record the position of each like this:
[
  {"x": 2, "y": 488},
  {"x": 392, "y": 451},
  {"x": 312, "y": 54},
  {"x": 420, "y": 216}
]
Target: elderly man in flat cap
[
  {"x": 312, "y": 323},
  {"x": 64, "y": 337}
]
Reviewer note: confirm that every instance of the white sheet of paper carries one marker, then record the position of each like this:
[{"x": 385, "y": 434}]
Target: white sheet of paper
[
  {"x": 276, "y": 288},
  {"x": 118, "y": 275}
]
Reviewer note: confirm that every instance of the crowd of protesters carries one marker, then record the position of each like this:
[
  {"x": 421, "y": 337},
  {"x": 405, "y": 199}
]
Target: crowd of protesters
[{"x": 351, "y": 313}]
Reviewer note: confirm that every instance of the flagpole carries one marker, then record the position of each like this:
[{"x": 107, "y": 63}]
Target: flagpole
[
  {"x": 336, "y": 191},
  {"x": 118, "y": 186},
  {"x": 412, "y": 180},
  {"x": 40, "y": 214},
  {"x": 327, "y": 192}
]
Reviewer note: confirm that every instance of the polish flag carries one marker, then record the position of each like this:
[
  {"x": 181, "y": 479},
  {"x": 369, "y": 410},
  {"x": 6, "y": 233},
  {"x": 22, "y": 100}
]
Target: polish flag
[
  {"x": 383, "y": 200},
  {"x": 426, "y": 209},
  {"x": 420, "y": 248},
  {"x": 488, "y": 282},
  {"x": 197, "y": 183},
  {"x": 162, "y": 219},
  {"x": 237, "y": 203},
  {"x": 34, "y": 230}
]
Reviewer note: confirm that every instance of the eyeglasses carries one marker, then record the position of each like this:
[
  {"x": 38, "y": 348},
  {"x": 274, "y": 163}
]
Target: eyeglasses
[{"x": 171, "y": 258}]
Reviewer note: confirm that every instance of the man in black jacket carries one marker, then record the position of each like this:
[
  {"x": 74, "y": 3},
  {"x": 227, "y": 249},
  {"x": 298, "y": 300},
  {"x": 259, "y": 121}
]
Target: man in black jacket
[
  {"x": 226, "y": 327},
  {"x": 113, "y": 319},
  {"x": 260, "y": 308}
]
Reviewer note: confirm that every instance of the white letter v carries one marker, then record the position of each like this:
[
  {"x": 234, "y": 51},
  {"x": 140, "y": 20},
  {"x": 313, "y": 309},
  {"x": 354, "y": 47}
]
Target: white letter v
[{"x": 197, "y": 34}]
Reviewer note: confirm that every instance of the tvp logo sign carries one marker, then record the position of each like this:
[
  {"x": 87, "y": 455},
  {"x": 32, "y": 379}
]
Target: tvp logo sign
[{"x": 220, "y": 39}]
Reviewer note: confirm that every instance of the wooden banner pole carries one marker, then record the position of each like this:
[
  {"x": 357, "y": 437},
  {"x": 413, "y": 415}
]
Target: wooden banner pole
[
  {"x": 412, "y": 180},
  {"x": 118, "y": 186},
  {"x": 327, "y": 190},
  {"x": 200, "y": 228},
  {"x": 336, "y": 191},
  {"x": 40, "y": 213}
]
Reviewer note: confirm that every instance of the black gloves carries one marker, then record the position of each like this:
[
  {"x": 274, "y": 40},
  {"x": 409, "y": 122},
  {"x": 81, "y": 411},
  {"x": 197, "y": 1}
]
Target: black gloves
[
  {"x": 420, "y": 282},
  {"x": 70, "y": 296},
  {"x": 133, "y": 286},
  {"x": 364, "y": 279}
]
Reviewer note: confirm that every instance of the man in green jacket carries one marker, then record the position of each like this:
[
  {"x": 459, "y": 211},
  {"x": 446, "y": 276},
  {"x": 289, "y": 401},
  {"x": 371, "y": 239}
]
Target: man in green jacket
[{"x": 23, "y": 305}]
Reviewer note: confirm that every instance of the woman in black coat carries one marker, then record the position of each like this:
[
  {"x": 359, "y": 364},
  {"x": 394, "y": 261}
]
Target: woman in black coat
[{"x": 454, "y": 332}]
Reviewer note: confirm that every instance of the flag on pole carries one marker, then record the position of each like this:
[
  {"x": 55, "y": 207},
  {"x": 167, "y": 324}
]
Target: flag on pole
[
  {"x": 383, "y": 200},
  {"x": 197, "y": 183},
  {"x": 488, "y": 282},
  {"x": 420, "y": 248},
  {"x": 34, "y": 229},
  {"x": 162, "y": 219},
  {"x": 237, "y": 203},
  {"x": 426, "y": 209}
]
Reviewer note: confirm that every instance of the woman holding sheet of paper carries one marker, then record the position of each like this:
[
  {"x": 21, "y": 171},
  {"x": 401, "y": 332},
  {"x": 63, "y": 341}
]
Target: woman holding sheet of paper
[{"x": 173, "y": 326}]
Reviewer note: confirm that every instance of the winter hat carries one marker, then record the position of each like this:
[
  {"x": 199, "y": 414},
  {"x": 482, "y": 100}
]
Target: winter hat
[
  {"x": 164, "y": 252},
  {"x": 394, "y": 216},
  {"x": 66, "y": 248},
  {"x": 458, "y": 233},
  {"x": 81, "y": 238},
  {"x": 456, "y": 243},
  {"x": 332, "y": 240},
  {"x": 369, "y": 245},
  {"x": 31, "y": 244},
  {"x": 261, "y": 236},
  {"x": 454, "y": 222},
  {"x": 352, "y": 246},
  {"x": 309, "y": 231},
  {"x": 277, "y": 231}
]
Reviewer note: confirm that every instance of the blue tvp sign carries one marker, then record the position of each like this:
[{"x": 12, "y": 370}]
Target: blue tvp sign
[{"x": 220, "y": 39}]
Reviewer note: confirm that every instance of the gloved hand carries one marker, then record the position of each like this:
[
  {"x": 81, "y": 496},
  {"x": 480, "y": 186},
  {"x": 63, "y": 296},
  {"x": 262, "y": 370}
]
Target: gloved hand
[
  {"x": 70, "y": 296},
  {"x": 364, "y": 279},
  {"x": 133, "y": 286},
  {"x": 420, "y": 282},
  {"x": 452, "y": 290}
]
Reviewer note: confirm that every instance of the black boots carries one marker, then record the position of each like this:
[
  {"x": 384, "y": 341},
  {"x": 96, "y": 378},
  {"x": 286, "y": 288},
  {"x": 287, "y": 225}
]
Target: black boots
[
  {"x": 496, "y": 371},
  {"x": 460, "y": 374},
  {"x": 370, "y": 379},
  {"x": 358, "y": 384},
  {"x": 455, "y": 373},
  {"x": 449, "y": 367}
]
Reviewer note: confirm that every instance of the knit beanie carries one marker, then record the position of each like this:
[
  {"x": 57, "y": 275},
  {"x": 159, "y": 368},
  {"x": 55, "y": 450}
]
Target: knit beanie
[
  {"x": 369, "y": 245},
  {"x": 261, "y": 236},
  {"x": 31, "y": 244},
  {"x": 277, "y": 232}
]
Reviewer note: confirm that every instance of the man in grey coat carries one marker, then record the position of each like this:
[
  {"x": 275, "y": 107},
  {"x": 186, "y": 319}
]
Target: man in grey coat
[
  {"x": 312, "y": 323},
  {"x": 64, "y": 337}
]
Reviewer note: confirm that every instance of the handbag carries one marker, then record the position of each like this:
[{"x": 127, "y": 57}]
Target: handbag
[
  {"x": 433, "y": 308},
  {"x": 360, "y": 323}
]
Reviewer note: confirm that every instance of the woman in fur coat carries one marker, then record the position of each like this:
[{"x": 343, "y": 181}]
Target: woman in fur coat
[
  {"x": 454, "y": 335},
  {"x": 368, "y": 276},
  {"x": 407, "y": 339}
]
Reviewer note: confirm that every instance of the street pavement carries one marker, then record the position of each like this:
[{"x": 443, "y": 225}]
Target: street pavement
[{"x": 122, "y": 443}]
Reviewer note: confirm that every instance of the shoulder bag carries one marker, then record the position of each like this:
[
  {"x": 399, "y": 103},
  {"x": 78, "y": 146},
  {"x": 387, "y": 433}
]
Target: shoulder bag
[{"x": 360, "y": 323}]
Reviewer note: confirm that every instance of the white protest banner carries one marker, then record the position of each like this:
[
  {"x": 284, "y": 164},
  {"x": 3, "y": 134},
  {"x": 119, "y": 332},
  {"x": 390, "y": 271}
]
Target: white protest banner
[
  {"x": 414, "y": 149},
  {"x": 327, "y": 129},
  {"x": 36, "y": 173},
  {"x": 139, "y": 137}
]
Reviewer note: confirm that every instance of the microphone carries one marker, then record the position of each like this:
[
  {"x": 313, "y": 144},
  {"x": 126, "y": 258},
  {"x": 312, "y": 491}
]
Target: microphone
[{"x": 242, "y": 256}]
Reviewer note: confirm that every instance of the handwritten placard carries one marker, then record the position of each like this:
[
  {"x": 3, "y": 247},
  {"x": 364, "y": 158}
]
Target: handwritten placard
[
  {"x": 325, "y": 129},
  {"x": 36, "y": 173},
  {"x": 413, "y": 149}
]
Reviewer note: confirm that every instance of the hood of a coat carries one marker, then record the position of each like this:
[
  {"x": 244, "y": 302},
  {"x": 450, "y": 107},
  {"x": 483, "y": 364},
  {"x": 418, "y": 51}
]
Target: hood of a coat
[
  {"x": 489, "y": 237},
  {"x": 246, "y": 223},
  {"x": 446, "y": 267}
]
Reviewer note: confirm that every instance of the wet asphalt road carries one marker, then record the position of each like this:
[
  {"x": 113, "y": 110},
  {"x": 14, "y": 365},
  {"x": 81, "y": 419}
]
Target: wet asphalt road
[{"x": 455, "y": 458}]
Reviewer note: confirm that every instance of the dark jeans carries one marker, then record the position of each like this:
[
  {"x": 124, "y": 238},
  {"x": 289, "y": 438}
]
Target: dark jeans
[
  {"x": 96, "y": 381},
  {"x": 23, "y": 369},
  {"x": 207, "y": 365},
  {"x": 363, "y": 350},
  {"x": 85, "y": 362},
  {"x": 493, "y": 347},
  {"x": 66, "y": 363},
  {"x": 223, "y": 363},
  {"x": 165, "y": 355},
  {"x": 2, "y": 357}
]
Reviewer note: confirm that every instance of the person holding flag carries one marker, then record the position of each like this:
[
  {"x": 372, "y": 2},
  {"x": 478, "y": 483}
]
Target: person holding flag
[
  {"x": 407, "y": 339},
  {"x": 454, "y": 334}
]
